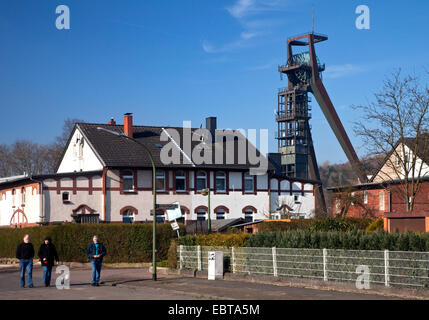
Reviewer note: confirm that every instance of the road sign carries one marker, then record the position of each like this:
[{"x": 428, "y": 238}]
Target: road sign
[
  {"x": 175, "y": 213},
  {"x": 175, "y": 225},
  {"x": 170, "y": 206},
  {"x": 167, "y": 206}
]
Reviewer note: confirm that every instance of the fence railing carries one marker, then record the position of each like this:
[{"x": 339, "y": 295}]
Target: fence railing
[{"x": 388, "y": 268}]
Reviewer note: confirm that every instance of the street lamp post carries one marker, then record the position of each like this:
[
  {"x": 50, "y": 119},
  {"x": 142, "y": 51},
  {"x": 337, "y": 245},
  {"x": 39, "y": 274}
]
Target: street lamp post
[
  {"x": 206, "y": 192},
  {"x": 119, "y": 134}
]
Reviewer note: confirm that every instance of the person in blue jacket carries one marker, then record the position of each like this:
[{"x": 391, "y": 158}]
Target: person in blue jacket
[{"x": 95, "y": 252}]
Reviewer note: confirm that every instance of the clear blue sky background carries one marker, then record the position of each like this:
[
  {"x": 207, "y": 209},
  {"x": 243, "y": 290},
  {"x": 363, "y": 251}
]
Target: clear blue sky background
[{"x": 169, "y": 61}]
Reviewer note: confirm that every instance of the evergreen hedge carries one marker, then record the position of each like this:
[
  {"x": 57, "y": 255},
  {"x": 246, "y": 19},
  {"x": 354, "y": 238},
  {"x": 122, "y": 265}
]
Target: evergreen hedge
[
  {"x": 326, "y": 224},
  {"x": 216, "y": 240},
  {"x": 349, "y": 240},
  {"x": 124, "y": 242}
]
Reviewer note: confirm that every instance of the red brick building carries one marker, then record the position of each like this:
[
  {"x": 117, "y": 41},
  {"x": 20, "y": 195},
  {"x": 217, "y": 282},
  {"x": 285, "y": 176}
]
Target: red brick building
[{"x": 384, "y": 196}]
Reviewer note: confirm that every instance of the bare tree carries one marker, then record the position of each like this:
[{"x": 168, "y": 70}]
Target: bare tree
[
  {"x": 68, "y": 127},
  {"x": 395, "y": 126},
  {"x": 25, "y": 156},
  {"x": 348, "y": 198},
  {"x": 5, "y": 166}
]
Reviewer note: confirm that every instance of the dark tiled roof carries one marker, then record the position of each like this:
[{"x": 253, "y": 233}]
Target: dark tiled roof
[{"x": 117, "y": 151}]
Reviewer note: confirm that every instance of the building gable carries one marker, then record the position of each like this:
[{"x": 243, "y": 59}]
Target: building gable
[{"x": 79, "y": 155}]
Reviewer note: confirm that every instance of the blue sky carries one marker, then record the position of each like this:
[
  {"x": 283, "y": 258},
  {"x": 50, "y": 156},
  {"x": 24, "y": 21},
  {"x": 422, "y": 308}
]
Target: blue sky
[{"x": 169, "y": 61}]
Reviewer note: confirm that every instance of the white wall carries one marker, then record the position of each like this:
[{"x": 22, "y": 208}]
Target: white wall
[
  {"x": 78, "y": 158},
  {"x": 31, "y": 207}
]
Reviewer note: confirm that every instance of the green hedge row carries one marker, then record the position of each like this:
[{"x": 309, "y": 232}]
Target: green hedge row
[
  {"x": 124, "y": 242},
  {"x": 351, "y": 240},
  {"x": 326, "y": 224},
  {"x": 216, "y": 240}
]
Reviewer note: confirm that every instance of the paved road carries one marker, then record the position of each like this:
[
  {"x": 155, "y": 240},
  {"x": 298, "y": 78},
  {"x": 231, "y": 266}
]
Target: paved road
[{"x": 119, "y": 284}]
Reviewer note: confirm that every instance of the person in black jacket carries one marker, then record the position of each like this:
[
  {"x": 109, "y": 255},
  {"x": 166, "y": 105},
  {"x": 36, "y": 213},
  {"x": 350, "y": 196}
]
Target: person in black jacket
[
  {"x": 95, "y": 252},
  {"x": 25, "y": 254},
  {"x": 47, "y": 254}
]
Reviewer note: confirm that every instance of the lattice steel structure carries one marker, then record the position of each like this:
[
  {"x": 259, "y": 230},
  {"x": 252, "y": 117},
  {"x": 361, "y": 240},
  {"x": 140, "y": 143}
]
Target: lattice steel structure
[{"x": 295, "y": 143}]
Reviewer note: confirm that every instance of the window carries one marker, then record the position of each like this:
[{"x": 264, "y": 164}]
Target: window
[
  {"x": 248, "y": 182},
  {"x": 23, "y": 195},
  {"x": 201, "y": 180},
  {"x": 160, "y": 180},
  {"x": 81, "y": 148},
  {"x": 180, "y": 181},
  {"x": 127, "y": 181},
  {"x": 128, "y": 216},
  {"x": 201, "y": 215},
  {"x": 220, "y": 214},
  {"x": 220, "y": 182},
  {"x": 381, "y": 201},
  {"x": 365, "y": 197},
  {"x": 296, "y": 199},
  {"x": 13, "y": 197},
  {"x": 248, "y": 215},
  {"x": 66, "y": 197}
]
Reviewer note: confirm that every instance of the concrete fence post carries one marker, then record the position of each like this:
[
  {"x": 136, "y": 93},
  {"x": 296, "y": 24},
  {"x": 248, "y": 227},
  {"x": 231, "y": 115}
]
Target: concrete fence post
[
  {"x": 233, "y": 259},
  {"x": 386, "y": 268},
  {"x": 274, "y": 251},
  {"x": 325, "y": 269},
  {"x": 199, "y": 257},
  {"x": 181, "y": 256}
]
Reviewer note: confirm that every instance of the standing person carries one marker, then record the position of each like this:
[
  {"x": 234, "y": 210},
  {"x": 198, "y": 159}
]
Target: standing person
[
  {"x": 47, "y": 254},
  {"x": 25, "y": 254},
  {"x": 95, "y": 252}
]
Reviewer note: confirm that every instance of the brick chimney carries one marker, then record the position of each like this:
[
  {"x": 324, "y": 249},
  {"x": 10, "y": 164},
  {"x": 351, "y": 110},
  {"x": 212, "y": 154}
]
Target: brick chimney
[
  {"x": 112, "y": 122},
  {"x": 128, "y": 124}
]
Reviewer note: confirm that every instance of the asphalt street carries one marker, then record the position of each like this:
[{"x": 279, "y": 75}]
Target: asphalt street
[{"x": 136, "y": 284}]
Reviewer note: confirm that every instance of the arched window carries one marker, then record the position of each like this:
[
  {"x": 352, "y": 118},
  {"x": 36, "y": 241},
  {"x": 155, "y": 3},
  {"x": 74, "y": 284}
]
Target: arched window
[
  {"x": 220, "y": 214},
  {"x": 128, "y": 181},
  {"x": 180, "y": 181},
  {"x": 160, "y": 180},
  {"x": 128, "y": 216},
  {"x": 249, "y": 185},
  {"x": 220, "y": 182},
  {"x": 201, "y": 180},
  {"x": 249, "y": 213}
]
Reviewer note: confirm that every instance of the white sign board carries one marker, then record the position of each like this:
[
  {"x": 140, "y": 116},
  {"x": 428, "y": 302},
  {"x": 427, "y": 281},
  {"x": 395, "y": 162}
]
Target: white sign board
[
  {"x": 174, "y": 213},
  {"x": 215, "y": 268},
  {"x": 175, "y": 226}
]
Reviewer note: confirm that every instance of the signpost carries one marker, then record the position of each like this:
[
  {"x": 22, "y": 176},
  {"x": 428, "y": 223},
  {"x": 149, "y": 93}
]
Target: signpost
[{"x": 173, "y": 213}]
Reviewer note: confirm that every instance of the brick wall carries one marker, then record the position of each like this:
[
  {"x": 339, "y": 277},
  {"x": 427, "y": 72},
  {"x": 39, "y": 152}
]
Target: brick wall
[{"x": 398, "y": 204}]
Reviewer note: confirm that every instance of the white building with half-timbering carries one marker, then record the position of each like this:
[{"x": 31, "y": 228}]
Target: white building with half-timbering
[{"x": 107, "y": 178}]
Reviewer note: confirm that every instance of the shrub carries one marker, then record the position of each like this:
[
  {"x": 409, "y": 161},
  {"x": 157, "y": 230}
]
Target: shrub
[
  {"x": 330, "y": 224},
  {"x": 301, "y": 224},
  {"x": 325, "y": 224},
  {"x": 377, "y": 225},
  {"x": 216, "y": 239},
  {"x": 351, "y": 240},
  {"x": 124, "y": 242},
  {"x": 172, "y": 254}
]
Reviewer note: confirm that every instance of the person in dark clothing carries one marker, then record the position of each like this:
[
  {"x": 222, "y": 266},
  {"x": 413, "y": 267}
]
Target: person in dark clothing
[
  {"x": 47, "y": 255},
  {"x": 95, "y": 252},
  {"x": 25, "y": 254}
]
